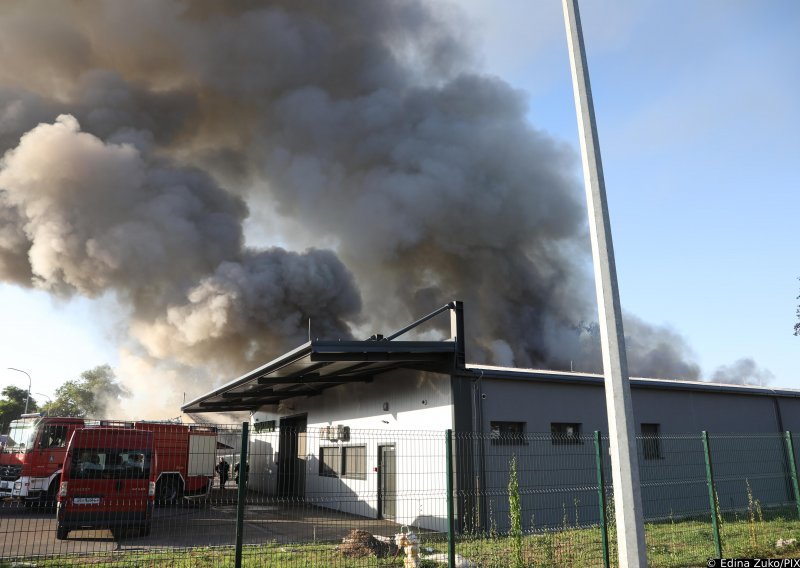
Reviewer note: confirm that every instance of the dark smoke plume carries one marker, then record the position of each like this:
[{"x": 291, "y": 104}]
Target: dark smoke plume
[{"x": 139, "y": 137}]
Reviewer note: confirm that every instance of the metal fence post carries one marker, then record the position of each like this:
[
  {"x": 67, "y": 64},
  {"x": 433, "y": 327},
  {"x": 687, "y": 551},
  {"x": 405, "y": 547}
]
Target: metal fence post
[
  {"x": 601, "y": 495},
  {"x": 451, "y": 543},
  {"x": 242, "y": 495},
  {"x": 712, "y": 494},
  {"x": 792, "y": 468}
]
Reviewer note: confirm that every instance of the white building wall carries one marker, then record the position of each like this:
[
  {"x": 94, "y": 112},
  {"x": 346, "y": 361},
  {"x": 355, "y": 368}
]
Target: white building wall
[
  {"x": 261, "y": 455},
  {"x": 419, "y": 411}
]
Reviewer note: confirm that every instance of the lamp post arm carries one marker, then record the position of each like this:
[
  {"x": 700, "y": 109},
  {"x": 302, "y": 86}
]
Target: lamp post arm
[{"x": 27, "y": 398}]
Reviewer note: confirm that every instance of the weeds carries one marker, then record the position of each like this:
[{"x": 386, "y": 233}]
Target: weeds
[{"x": 515, "y": 514}]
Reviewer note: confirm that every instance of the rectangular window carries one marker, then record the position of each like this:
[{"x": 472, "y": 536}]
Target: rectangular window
[
  {"x": 355, "y": 462},
  {"x": 508, "y": 433},
  {"x": 651, "y": 441},
  {"x": 564, "y": 433},
  {"x": 330, "y": 461}
]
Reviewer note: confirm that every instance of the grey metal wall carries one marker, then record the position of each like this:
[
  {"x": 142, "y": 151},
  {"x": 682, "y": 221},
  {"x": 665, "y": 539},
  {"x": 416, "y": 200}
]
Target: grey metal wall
[
  {"x": 540, "y": 403},
  {"x": 557, "y": 482}
]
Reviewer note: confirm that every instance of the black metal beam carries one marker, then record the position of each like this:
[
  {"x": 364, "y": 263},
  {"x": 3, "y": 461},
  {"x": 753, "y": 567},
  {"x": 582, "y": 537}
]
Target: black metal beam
[
  {"x": 265, "y": 379},
  {"x": 299, "y": 390},
  {"x": 381, "y": 356},
  {"x": 243, "y": 395},
  {"x": 213, "y": 406},
  {"x": 304, "y": 380}
]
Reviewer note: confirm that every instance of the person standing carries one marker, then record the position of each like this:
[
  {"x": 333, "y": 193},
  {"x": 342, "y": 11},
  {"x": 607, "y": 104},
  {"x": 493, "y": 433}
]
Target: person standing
[
  {"x": 236, "y": 471},
  {"x": 223, "y": 469}
]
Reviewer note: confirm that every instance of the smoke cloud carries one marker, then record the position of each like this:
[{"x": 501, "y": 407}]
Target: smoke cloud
[
  {"x": 743, "y": 371},
  {"x": 139, "y": 138},
  {"x": 93, "y": 217}
]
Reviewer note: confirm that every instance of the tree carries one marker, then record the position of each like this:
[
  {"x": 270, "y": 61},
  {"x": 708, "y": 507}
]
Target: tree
[
  {"x": 12, "y": 405},
  {"x": 797, "y": 325},
  {"x": 88, "y": 396}
]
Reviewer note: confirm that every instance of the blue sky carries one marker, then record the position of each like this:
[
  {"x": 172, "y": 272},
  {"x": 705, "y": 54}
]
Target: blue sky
[{"x": 697, "y": 113}]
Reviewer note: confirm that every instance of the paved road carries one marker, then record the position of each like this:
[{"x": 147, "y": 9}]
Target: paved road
[{"x": 31, "y": 532}]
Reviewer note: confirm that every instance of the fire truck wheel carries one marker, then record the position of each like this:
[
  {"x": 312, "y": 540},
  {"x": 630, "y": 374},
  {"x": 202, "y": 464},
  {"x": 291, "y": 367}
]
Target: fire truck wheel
[
  {"x": 50, "y": 498},
  {"x": 62, "y": 532},
  {"x": 168, "y": 491}
]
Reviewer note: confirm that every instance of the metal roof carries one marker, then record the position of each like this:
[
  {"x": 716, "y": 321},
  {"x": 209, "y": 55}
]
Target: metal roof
[
  {"x": 319, "y": 365},
  {"x": 541, "y": 375},
  {"x": 322, "y": 364}
]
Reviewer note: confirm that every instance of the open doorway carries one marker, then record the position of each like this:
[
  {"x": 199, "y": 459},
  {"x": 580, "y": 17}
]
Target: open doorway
[{"x": 292, "y": 457}]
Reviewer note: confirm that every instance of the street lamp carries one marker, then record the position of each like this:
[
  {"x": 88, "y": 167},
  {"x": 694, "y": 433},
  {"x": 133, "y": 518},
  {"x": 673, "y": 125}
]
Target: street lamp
[
  {"x": 27, "y": 398},
  {"x": 49, "y": 400}
]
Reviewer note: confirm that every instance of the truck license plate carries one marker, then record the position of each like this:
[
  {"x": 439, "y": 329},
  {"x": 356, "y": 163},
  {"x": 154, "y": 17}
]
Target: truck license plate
[{"x": 86, "y": 500}]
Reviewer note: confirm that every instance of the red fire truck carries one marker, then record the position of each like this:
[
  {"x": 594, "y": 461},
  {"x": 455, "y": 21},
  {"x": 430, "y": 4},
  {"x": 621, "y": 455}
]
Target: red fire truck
[
  {"x": 32, "y": 461},
  {"x": 108, "y": 481}
]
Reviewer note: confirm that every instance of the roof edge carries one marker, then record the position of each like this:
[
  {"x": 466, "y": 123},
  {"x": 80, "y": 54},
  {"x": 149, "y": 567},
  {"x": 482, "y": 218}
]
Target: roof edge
[
  {"x": 596, "y": 378},
  {"x": 284, "y": 359}
]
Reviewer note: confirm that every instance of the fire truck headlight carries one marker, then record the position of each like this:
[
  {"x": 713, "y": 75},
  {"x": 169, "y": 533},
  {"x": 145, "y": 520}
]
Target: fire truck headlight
[
  {"x": 17, "y": 486},
  {"x": 151, "y": 490},
  {"x": 62, "y": 491}
]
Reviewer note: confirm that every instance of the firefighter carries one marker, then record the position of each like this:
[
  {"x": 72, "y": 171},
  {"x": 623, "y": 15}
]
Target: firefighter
[
  {"x": 135, "y": 461},
  {"x": 89, "y": 461},
  {"x": 223, "y": 469},
  {"x": 236, "y": 471}
]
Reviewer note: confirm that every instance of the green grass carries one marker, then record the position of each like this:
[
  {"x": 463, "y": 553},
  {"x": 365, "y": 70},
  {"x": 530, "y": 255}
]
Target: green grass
[
  {"x": 670, "y": 543},
  {"x": 299, "y": 556}
]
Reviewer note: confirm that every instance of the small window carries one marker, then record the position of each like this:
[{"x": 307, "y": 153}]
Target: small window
[
  {"x": 564, "y": 433},
  {"x": 266, "y": 426},
  {"x": 651, "y": 441},
  {"x": 355, "y": 462},
  {"x": 330, "y": 461},
  {"x": 508, "y": 433}
]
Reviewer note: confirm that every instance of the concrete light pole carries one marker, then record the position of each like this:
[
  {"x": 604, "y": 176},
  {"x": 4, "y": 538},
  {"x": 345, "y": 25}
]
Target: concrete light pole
[
  {"x": 27, "y": 398},
  {"x": 622, "y": 441}
]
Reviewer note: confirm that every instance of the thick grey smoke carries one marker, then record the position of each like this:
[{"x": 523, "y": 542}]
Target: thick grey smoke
[
  {"x": 141, "y": 135},
  {"x": 743, "y": 371},
  {"x": 93, "y": 216},
  {"x": 653, "y": 351}
]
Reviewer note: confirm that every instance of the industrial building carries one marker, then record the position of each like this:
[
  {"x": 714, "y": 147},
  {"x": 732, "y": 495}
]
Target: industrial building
[{"x": 373, "y": 404}]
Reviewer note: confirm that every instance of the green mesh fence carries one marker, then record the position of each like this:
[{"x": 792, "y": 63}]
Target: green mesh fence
[
  {"x": 556, "y": 505},
  {"x": 346, "y": 497}
]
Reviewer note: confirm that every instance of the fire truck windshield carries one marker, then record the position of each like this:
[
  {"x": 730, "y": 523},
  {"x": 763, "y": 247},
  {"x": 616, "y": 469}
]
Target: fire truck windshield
[{"x": 22, "y": 435}]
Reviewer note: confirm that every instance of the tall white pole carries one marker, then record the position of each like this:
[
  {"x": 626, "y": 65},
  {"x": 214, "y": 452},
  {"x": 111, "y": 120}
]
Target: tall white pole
[{"x": 624, "y": 463}]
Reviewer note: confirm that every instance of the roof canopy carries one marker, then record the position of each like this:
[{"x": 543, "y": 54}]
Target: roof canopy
[{"x": 319, "y": 365}]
